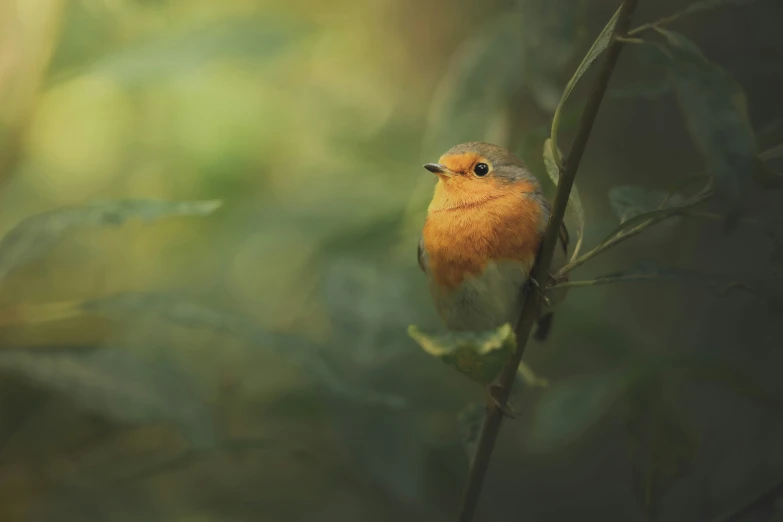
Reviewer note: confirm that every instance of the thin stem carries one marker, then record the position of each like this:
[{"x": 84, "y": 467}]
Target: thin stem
[
  {"x": 532, "y": 307},
  {"x": 614, "y": 240}
]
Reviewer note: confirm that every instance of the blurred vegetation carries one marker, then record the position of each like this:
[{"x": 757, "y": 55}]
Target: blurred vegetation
[{"x": 209, "y": 212}]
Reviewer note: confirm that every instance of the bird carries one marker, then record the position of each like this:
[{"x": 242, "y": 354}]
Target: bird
[{"x": 484, "y": 226}]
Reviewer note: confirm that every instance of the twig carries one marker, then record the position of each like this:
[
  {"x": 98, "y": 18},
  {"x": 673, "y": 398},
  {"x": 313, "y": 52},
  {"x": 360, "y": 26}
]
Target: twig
[
  {"x": 532, "y": 307},
  {"x": 622, "y": 236}
]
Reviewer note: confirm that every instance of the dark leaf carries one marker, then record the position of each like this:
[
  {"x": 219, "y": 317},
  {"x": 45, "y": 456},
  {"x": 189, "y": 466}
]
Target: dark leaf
[
  {"x": 192, "y": 315},
  {"x": 120, "y": 386},
  {"x": 34, "y": 236},
  {"x": 647, "y": 271},
  {"x": 568, "y": 409},
  {"x": 600, "y": 44},
  {"x": 715, "y": 109},
  {"x": 662, "y": 444},
  {"x": 481, "y": 77},
  {"x": 629, "y": 201},
  {"x": 478, "y": 355}
]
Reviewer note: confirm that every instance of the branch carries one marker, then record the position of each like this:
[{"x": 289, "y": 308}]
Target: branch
[
  {"x": 532, "y": 307},
  {"x": 625, "y": 234}
]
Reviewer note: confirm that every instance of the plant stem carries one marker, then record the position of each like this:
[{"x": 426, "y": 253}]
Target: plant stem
[
  {"x": 609, "y": 243},
  {"x": 532, "y": 307}
]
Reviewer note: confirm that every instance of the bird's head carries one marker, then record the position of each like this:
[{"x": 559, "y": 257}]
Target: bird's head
[{"x": 474, "y": 173}]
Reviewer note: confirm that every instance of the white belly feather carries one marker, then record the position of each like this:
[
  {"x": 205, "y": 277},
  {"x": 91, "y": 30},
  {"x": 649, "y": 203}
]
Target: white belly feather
[{"x": 483, "y": 302}]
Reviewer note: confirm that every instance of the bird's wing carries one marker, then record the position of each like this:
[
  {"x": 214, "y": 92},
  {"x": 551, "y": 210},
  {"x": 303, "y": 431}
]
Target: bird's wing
[{"x": 422, "y": 255}]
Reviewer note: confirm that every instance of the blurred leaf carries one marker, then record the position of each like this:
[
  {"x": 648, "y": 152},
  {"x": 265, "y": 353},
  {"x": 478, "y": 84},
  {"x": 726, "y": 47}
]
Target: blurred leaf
[
  {"x": 733, "y": 375},
  {"x": 478, "y": 355},
  {"x": 706, "y": 5},
  {"x": 648, "y": 271},
  {"x": 470, "y": 420},
  {"x": 600, "y": 44},
  {"x": 40, "y": 313},
  {"x": 662, "y": 444},
  {"x": 553, "y": 31},
  {"x": 192, "y": 315},
  {"x": 530, "y": 378},
  {"x": 242, "y": 37},
  {"x": 120, "y": 386},
  {"x": 629, "y": 201},
  {"x": 574, "y": 199},
  {"x": 715, "y": 109},
  {"x": 568, "y": 409},
  {"x": 478, "y": 83},
  {"x": 34, "y": 236}
]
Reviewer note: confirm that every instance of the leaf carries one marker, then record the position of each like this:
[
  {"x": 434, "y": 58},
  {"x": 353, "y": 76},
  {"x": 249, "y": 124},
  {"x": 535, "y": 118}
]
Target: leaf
[
  {"x": 633, "y": 219},
  {"x": 193, "y": 315},
  {"x": 568, "y": 409},
  {"x": 470, "y": 420},
  {"x": 530, "y": 378},
  {"x": 600, "y": 44},
  {"x": 478, "y": 355},
  {"x": 573, "y": 198},
  {"x": 629, "y": 201},
  {"x": 706, "y": 5},
  {"x": 648, "y": 271},
  {"x": 120, "y": 386},
  {"x": 553, "y": 31},
  {"x": 662, "y": 443},
  {"x": 715, "y": 109},
  {"x": 481, "y": 77},
  {"x": 32, "y": 237},
  {"x": 171, "y": 53}
]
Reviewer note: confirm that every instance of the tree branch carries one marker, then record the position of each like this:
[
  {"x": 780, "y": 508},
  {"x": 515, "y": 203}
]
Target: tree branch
[{"x": 532, "y": 307}]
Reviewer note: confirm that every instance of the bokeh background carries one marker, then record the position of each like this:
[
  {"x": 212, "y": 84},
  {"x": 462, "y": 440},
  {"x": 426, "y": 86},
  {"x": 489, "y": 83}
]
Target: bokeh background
[{"x": 250, "y": 361}]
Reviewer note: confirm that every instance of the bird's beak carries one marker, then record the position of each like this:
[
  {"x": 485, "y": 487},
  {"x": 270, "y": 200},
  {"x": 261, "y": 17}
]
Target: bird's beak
[{"x": 437, "y": 168}]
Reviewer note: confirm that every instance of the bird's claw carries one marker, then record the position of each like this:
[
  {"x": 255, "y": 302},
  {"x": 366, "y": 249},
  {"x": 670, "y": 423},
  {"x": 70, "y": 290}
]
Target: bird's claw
[
  {"x": 507, "y": 410},
  {"x": 540, "y": 290}
]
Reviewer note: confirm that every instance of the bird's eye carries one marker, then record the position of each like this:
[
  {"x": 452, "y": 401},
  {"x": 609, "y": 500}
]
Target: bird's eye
[{"x": 481, "y": 169}]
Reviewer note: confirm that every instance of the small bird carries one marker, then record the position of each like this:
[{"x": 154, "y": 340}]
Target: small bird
[{"x": 483, "y": 230}]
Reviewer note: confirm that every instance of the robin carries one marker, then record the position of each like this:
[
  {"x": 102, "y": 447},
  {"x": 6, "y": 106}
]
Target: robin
[{"x": 481, "y": 237}]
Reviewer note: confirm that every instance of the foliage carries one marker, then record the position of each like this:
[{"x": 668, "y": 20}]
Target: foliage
[{"x": 200, "y": 368}]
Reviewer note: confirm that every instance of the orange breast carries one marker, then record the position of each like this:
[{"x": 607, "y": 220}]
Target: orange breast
[{"x": 461, "y": 241}]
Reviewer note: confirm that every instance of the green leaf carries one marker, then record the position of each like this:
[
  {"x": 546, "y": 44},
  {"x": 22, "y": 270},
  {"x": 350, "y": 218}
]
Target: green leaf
[
  {"x": 664, "y": 210},
  {"x": 715, "y": 109},
  {"x": 130, "y": 306},
  {"x": 470, "y": 420},
  {"x": 568, "y": 409},
  {"x": 530, "y": 378},
  {"x": 574, "y": 199},
  {"x": 478, "y": 355},
  {"x": 600, "y": 44},
  {"x": 706, "y": 5},
  {"x": 480, "y": 79},
  {"x": 629, "y": 201},
  {"x": 648, "y": 271},
  {"x": 553, "y": 31},
  {"x": 120, "y": 386},
  {"x": 171, "y": 53},
  {"x": 36, "y": 235}
]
